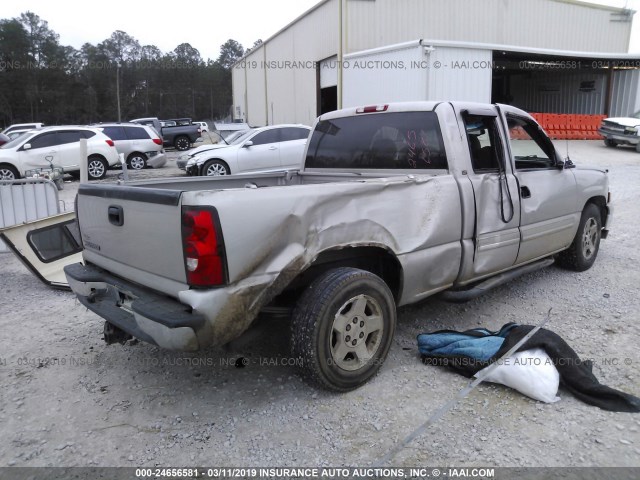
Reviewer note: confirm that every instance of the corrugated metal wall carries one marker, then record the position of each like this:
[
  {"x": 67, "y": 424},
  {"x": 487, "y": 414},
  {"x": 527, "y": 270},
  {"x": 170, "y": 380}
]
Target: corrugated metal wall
[
  {"x": 560, "y": 92},
  {"x": 291, "y": 94},
  {"x": 532, "y": 23},
  {"x": 625, "y": 99}
]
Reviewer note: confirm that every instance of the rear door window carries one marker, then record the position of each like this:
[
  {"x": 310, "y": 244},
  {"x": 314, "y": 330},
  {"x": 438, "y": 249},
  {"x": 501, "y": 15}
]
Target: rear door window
[
  {"x": 70, "y": 136},
  {"x": 294, "y": 133},
  {"x": 136, "y": 133},
  {"x": 114, "y": 133},
  {"x": 397, "y": 141}
]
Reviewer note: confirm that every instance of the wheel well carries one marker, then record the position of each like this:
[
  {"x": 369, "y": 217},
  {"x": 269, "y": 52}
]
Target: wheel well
[
  {"x": 8, "y": 165},
  {"x": 217, "y": 160},
  {"x": 136, "y": 153},
  {"x": 376, "y": 260},
  {"x": 601, "y": 203}
]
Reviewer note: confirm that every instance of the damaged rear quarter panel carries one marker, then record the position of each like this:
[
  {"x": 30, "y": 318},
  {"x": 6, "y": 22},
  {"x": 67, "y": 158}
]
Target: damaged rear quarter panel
[{"x": 273, "y": 234}]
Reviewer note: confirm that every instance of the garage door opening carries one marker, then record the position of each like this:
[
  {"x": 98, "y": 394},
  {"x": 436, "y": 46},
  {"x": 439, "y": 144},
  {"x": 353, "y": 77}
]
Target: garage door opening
[
  {"x": 567, "y": 85},
  {"x": 328, "y": 100}
]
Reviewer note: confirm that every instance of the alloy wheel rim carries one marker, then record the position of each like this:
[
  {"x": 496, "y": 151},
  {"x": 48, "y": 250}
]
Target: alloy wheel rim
[{"x": 356, "y": 332}]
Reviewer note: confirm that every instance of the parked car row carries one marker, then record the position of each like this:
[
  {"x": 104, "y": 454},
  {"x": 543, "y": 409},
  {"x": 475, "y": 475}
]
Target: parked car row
[
  {"x": 57, "y": 146},
  {"x": 272, "y": 148}
]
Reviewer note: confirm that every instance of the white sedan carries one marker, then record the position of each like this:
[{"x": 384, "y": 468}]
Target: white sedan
[{"x": 273, "y": 148}]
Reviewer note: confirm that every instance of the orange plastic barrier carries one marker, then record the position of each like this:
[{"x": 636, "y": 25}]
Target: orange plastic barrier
[{"x": 570, "y": 126}]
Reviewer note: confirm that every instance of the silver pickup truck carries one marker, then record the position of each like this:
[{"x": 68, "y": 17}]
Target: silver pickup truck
[{"x": 395, "y": 203}]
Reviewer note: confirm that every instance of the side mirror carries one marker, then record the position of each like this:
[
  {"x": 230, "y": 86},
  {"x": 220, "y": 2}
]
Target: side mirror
[
  {"x": 247, "y": 144},
  {"x": 26, "y": 146},
  {"x": 566, "y": 163}
]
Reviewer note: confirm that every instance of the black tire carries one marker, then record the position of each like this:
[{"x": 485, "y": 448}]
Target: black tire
[
  {"x": 329, "y": 355},
  {"x": 182, "y": 143},
  {"x": 8, "y": 172},
  {"x": 215, "y": 168},
  {"x": 137, "y": 161},
  {"x": 583, "y": 251},
  {"x": 638, "y": 147},
  {"x": 97, "y": 168},
  {"x": 610, "y": 143}
]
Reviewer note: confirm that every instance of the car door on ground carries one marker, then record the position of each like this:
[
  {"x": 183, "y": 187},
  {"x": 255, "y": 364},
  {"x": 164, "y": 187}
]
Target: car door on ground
[
  {"x": 44, "y": 149},
  {"x": 548, "y": 194},
  {"x": 264, "y": 153},
  {"x": 293, "y": 141}
]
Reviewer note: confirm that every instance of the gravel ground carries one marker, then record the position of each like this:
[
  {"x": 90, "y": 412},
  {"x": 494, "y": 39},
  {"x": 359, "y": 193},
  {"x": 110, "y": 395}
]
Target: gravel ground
[{"x": 70, "y": 400}]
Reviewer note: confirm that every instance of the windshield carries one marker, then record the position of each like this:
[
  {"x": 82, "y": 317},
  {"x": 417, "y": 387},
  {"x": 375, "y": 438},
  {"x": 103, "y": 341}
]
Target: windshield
[
  {"x": 16, "y": 141},
  {"x": 636, "y": 115},
  {"x": 238, "y": 137}
]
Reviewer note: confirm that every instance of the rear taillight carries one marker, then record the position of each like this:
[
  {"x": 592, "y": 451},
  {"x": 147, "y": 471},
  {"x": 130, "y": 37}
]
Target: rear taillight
[
  {"x": 110, "y": 143},
  {"x": 203, "y": 247},
  {"x": 157, "y": 141}
]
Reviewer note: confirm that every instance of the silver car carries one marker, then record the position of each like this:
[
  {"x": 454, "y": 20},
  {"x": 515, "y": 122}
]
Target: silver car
[{"x": 140, "y": 144}]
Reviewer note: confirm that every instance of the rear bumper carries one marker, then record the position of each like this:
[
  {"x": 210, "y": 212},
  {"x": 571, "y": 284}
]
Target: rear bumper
[{"x": 142, "y": 313}]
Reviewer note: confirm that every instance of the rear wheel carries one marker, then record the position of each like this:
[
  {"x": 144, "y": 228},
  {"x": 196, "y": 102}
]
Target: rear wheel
[
  {"x": 137, "y": 161},
  {"x": 8, "y": 172},
  {"x": 342, "y": 328},
  {"x": 215, "y": 168},
  {"x": 583, "y": 251},
  {"x": 610, "y": 143},
  {"x": 182, "y": 143},
  {"x": 97, "y": 168}
]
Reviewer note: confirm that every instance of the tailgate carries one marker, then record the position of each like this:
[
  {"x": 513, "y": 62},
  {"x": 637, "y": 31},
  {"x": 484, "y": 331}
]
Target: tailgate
[{"x": 134, "y": 232}]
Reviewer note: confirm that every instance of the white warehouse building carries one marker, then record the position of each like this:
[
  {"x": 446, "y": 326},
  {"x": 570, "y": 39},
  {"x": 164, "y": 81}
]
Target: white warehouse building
[{"x": 551, "y": 56}]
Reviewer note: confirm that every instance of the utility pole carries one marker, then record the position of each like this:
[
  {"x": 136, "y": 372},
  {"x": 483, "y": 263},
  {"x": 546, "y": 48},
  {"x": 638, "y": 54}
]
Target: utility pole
[{"x": 118, "y": 89}]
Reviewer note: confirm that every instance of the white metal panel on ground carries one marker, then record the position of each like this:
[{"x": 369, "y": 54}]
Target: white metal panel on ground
[
  {"x": 460, "y": 74},
  {"x": 560, "y": 92},
  {"x": 396, "y": 74},
  {"x": 625, "y": 99},
  {"x": 559, "y": 25},
  {"x": 26, "y": 200}
]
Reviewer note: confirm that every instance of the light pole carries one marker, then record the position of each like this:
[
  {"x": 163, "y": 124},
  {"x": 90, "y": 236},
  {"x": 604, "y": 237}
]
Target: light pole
[{"x": 118, "y": 89}]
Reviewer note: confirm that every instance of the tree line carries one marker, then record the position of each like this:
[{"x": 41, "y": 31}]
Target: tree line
[{"x": 43, "y": 81}]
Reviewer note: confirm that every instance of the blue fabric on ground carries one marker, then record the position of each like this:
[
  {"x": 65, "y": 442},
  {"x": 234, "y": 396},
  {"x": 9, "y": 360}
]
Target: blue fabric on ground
[{"x": 479, "y": 348}]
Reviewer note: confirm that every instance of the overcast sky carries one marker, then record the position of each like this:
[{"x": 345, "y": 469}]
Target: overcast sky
[{"x": 205, "y": 25}]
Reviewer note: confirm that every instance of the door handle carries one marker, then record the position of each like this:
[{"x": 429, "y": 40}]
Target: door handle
[
  {"x": 525, "y": 192},
  {"x": 273, "y": 148},
  {"x": 116, "y": 215}
]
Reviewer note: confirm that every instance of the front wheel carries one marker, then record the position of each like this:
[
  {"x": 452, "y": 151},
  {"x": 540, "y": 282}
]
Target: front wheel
[
  {"x": 583, "y": 251},
  {"x": 97, "y": 168},
  {"x": 610, "y": 143},
  {"x": 342, "y": 328},
  {"x": 215, "y": 168},
  {"x": 7, "y": 172},
  {"x": 182, "y": 143}
]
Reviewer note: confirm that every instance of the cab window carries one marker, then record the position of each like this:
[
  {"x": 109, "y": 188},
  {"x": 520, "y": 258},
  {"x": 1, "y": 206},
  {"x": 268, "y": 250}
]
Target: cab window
[{"x": 485, "y": 147}]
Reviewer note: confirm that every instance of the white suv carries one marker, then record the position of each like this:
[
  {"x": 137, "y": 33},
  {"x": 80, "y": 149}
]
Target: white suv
[
  {"x": 60, "y": 147},
  {"x": 140, "y": 145}
]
